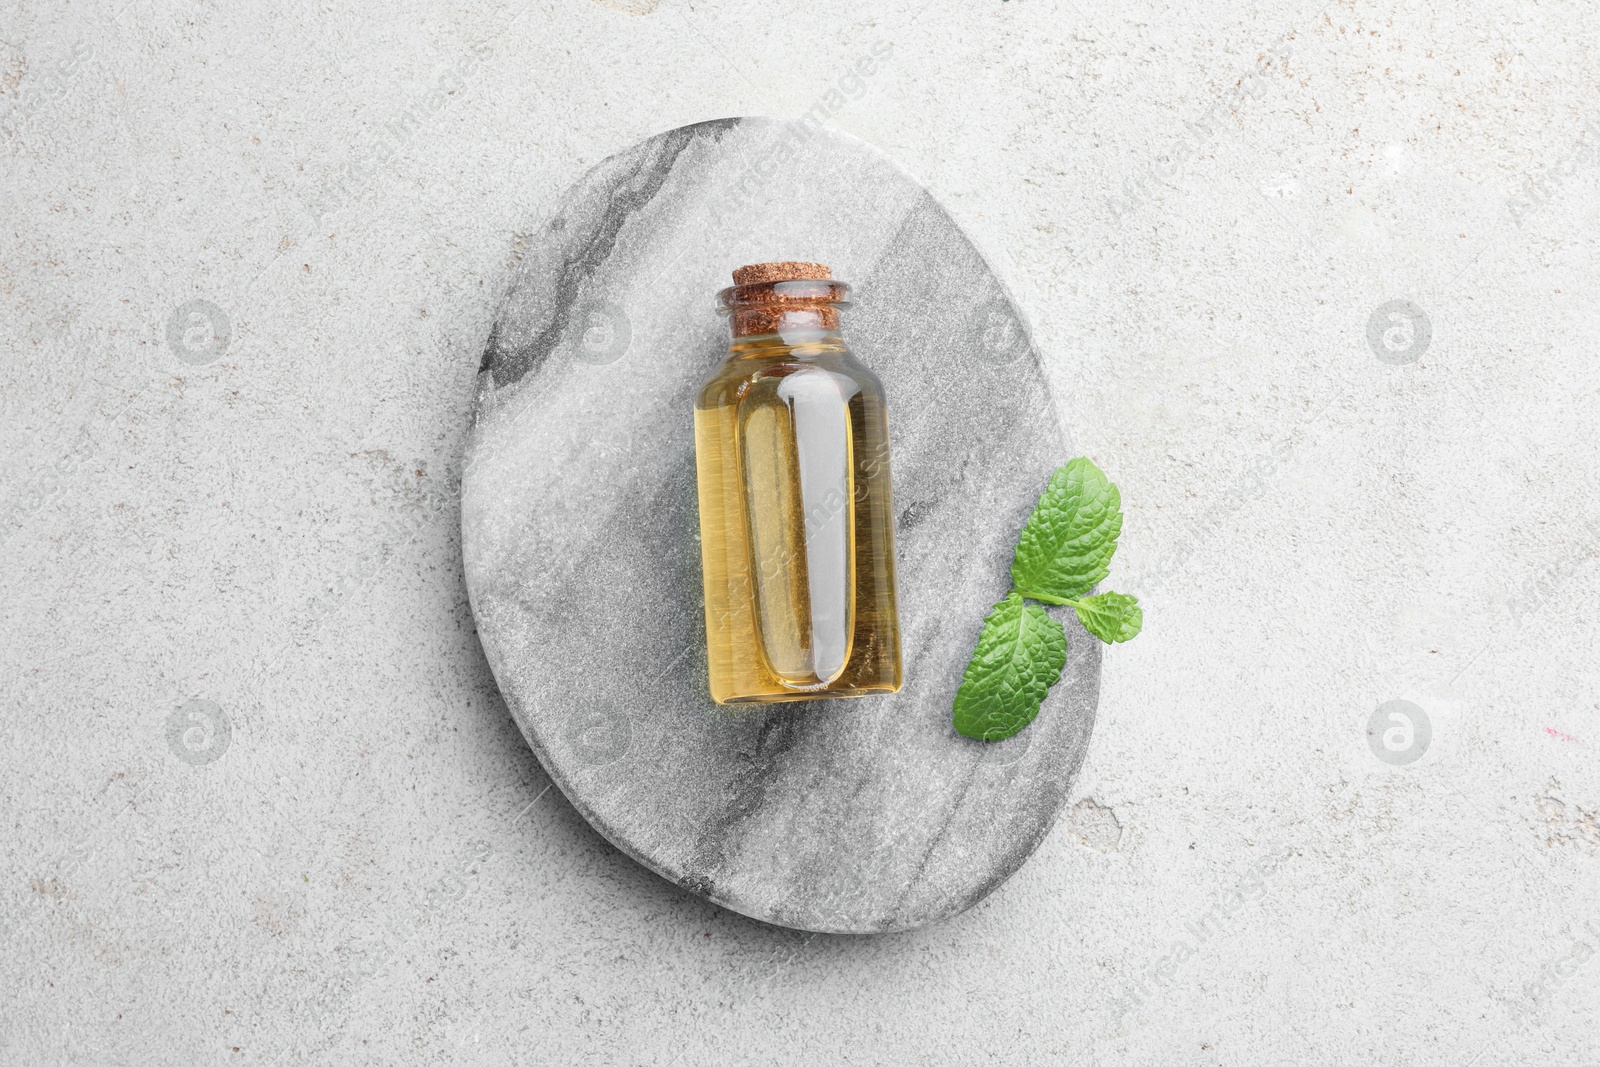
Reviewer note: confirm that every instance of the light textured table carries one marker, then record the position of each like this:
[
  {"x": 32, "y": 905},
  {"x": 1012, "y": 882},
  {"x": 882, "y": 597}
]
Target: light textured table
[{"x": 249, "y": 262}]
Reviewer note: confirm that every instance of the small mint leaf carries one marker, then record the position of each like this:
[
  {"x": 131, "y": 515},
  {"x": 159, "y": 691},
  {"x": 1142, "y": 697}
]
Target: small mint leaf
[
  {"x": 1067, "y": 545},
  {"x": 1111, "y": 617},
  {"x": 1020, "y": 653}
]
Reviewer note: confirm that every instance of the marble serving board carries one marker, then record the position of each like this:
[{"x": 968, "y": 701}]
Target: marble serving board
[{"x": 582, "y": 556}]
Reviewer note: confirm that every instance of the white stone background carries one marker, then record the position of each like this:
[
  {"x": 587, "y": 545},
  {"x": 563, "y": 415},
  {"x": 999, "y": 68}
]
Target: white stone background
[{"x": 1199, "y": 206}]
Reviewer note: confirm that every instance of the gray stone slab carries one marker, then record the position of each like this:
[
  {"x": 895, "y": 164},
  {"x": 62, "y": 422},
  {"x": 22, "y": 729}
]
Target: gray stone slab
[{"x": 583, "y": 564}]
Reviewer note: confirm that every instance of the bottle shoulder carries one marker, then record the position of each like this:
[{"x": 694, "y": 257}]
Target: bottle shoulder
[{"x": 744, "y": 374}]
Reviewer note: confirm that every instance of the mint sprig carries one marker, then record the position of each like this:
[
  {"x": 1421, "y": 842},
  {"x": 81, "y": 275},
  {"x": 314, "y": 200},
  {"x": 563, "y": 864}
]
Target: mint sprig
[{"x": 1065, "y": 548}]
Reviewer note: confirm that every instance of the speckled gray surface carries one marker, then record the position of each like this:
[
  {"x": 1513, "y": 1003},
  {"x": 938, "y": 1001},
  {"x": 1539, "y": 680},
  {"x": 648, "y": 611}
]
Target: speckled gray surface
[
  {"x": 1202, "y": 236},
  {"x": 582, "y": 559}
]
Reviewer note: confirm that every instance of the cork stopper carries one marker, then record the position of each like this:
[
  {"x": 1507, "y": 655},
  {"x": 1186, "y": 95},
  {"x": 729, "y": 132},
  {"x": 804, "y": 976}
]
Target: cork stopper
[{"x": 787, "y": 271}]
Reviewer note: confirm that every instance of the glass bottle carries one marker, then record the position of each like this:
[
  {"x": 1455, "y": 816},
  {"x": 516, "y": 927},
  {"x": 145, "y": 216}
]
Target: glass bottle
[{"x": 796, "y": 522}]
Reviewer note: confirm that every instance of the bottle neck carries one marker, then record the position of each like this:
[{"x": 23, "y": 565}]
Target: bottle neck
[
  {"x": 798, "y": 306},
  {"x": 759, "y": 322}
]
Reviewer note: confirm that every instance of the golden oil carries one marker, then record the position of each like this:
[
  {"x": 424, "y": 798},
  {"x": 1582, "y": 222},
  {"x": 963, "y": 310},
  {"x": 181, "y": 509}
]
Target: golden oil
[{"x": 796, "y": 519}]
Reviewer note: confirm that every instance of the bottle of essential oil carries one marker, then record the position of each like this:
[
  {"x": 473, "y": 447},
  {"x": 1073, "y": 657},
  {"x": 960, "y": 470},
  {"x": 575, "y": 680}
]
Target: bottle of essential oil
[{"x": 796, "y": 524}]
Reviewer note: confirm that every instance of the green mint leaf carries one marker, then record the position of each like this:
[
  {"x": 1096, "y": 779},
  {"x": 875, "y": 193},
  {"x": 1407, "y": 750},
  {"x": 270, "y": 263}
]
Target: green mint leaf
[
  {"x": 1020, "y": 653},
  {"x": 1111, "y": 617},
  {"x": 1066, "y": 546}
]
